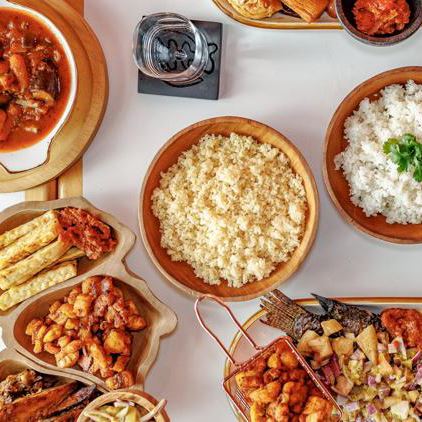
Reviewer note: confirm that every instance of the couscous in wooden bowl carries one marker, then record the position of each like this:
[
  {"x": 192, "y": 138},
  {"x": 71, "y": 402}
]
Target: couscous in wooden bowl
[
  {"x": 181, "y": 274},
  {"x": 335, "y": 143}
]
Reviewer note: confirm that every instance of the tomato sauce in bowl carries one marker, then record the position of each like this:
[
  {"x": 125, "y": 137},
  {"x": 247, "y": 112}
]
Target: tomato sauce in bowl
[{"x": 35, "y": 80}]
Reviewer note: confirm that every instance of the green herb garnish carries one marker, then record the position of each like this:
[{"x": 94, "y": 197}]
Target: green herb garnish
[{"x": 406, "y": 152}]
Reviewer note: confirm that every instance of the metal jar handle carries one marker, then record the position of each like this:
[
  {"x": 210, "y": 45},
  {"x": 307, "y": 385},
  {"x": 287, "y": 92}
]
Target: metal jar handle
[{"x": 233, "y": 318}]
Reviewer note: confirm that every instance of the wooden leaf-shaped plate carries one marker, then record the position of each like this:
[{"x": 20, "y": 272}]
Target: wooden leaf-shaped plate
[
  {"x": 25, "y": 211},
  {"x": 181, "y": 274},
  {"x": 160, "y": 319}
]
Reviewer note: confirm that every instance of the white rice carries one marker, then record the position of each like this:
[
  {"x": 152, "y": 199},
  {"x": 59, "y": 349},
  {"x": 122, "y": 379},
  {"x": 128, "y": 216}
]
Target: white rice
[{"x": 375, "y": 183}]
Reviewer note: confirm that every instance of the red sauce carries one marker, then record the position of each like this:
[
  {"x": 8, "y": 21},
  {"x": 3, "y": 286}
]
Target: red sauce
[
  {"x": 26, "y": 114},
  {"x": 405, "y": 323},
  {"x": 381, "y": 17}
]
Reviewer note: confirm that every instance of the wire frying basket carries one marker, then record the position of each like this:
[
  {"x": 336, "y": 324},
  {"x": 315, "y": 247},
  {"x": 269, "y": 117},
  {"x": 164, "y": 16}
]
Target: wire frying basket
[{"x": 229, "y": 383}]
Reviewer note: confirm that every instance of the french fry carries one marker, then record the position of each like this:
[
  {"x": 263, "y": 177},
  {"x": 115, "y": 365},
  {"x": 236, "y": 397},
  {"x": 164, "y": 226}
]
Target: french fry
[
  {"x": 24, "y": 270},
  {"x": 11, "y": 235},
  {"x": 40, "y": 282},
  {"x": 29, "y": 243}
]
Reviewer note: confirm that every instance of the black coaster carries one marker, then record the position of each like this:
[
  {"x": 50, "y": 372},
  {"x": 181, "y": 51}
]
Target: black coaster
[{"x": 207, "y": 87}]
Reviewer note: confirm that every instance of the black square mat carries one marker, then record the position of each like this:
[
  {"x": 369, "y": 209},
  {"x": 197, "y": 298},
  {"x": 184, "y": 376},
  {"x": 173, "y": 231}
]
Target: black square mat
[{"x": 206, "y": 87}]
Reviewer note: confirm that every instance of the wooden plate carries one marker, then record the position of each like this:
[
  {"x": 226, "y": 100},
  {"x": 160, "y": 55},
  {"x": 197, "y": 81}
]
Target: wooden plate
[
  {"x": 161, "y": 321},
  {"x": 264, "y": 334},
  {"x": 142, "y": 399},
  {"x": 181, "y": 274},
  {"x": 279, "y": 20},
  {"x": 11, "y": 363},
  {"x": 335, "y": 143},
  {"x": 89, "y": 106},
  {"x": 25, "y": 211}
]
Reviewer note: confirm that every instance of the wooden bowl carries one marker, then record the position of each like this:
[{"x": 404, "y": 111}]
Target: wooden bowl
[
  {"x": 335, "y": 143},
  {"x": 142, "y": 399},
  {"x": 160, "y": 319},
  {"x": 181, "y": 274},
  {"x": 345, "y": 15}
]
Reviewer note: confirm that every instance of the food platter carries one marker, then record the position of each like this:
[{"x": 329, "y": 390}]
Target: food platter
[
  {"x": 278, "y": 21},
  {"x": 181, "y": 274},
  {"x": 263, "y": 334},
  {"x": 335, "y": 143},
  {"x": 89, "y": 105},
  {"x": 160, "y": 319}
]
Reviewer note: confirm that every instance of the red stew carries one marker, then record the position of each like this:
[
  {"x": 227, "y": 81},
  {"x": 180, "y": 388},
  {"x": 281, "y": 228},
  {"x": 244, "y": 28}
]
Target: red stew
[
  {"x": 381, "y": 17},
  {"x": 34, "y": 80}
]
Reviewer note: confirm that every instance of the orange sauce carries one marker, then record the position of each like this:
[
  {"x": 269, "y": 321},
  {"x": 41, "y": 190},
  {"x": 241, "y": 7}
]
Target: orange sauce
[{"x": 20, "y": 138}]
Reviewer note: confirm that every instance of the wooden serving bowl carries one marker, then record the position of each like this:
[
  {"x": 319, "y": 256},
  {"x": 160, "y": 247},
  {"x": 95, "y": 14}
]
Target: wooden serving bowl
[
  {"x": 335, "y": 143},
  {"x": 160, "y": 319},
  {"x": 181, "y": 274},
  {"x": 25, "y": 211},
  {"x": 142, "y": 399}
]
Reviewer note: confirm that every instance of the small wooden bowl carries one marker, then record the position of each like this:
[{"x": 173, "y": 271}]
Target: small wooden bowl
[
  {"x": 142, "y": 399},
  {"x": 345, "y": 15},
  {"x": 335, "y": 143},
  {"x": 181, "y": 274}
]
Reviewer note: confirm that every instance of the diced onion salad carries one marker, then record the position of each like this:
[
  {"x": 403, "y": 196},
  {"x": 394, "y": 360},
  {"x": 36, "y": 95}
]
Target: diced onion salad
[
  {"x": 387, "y": 392},
  {"x": 119, "y": 411}
]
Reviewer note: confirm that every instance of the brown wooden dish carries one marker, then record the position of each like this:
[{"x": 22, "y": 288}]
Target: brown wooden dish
[
  {"x": 335, "y": 143},
  {"x": 279, "y": 20},
  {"x": 140, "y": 398},
  {"x": 161, "y": 320},
  {"x": 89, "y": 105},
  {"x": 181, "y": 274}
]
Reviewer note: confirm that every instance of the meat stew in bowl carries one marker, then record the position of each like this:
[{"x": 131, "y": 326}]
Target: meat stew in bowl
[{"x": 35, "y": 80}]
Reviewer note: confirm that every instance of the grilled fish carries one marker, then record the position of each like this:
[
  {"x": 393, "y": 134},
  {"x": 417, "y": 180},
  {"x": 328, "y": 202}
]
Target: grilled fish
[{"x": 352, "y": 318}]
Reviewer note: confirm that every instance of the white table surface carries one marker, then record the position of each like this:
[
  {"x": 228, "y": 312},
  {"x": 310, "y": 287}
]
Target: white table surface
[{"x": 290, "y": 80}]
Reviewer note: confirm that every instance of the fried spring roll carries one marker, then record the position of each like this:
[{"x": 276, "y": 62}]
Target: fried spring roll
[
  {"x": 40, "y": 282},
  {"x": 308, "y": 10},
  {"x": 11, "y": 235},
  {"x": 70, "y": 255},
  {"x": 29, "y": 243},
  {"x": 23, "y": 270}
]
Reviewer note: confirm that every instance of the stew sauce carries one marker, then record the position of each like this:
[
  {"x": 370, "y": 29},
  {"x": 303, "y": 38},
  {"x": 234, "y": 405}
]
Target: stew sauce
[{"x": 35, "y": 80}]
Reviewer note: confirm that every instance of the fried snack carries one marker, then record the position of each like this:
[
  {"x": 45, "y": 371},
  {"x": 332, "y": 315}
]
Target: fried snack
[
  {"x": 70, "y": 255},
  {"x": 40, "y": 282},
  {"x": 29, "y": 243},
  {"x": 91, "y": 326},
  {"x": 11, "y": 235},
  {"x": 308, "y": 10},
  {"x": 277, "y": 388},
  {"x": 86, "y": 232},
  {"x": 23, "y": 270},
  {"x": 256, "y": 9}
]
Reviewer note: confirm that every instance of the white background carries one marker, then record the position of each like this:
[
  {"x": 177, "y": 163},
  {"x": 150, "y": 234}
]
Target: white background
[{"x": 290, "y": 80}]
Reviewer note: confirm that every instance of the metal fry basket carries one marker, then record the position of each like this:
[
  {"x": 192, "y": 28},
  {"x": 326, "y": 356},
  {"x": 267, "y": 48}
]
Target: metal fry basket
[{"x": 229, "y": 383}]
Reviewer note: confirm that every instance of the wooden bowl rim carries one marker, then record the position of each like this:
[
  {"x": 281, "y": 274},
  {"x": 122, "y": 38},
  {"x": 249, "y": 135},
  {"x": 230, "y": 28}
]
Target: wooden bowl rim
[
  {"x": 349, "y": 219},
  {"x": 137, "y": 396},
  {"x": 314, "y": 223}
]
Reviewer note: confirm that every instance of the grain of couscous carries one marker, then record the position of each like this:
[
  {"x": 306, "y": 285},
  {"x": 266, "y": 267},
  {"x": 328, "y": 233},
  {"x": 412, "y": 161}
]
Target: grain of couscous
[{"x": 232, "y": 208}]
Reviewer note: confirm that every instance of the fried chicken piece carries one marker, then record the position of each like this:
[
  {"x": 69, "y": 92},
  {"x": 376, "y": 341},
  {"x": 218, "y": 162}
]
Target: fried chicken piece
[
  {"x": 92, "y": 286},
  {"x": 118, "y": 341},
  {"x": 121, "y": 363},
  {"x": 266, "y": 394},
  {"x": 82, "y": 305},
  {"x": 120, "y": 380},
  {"x": 99, "y": 355}
]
